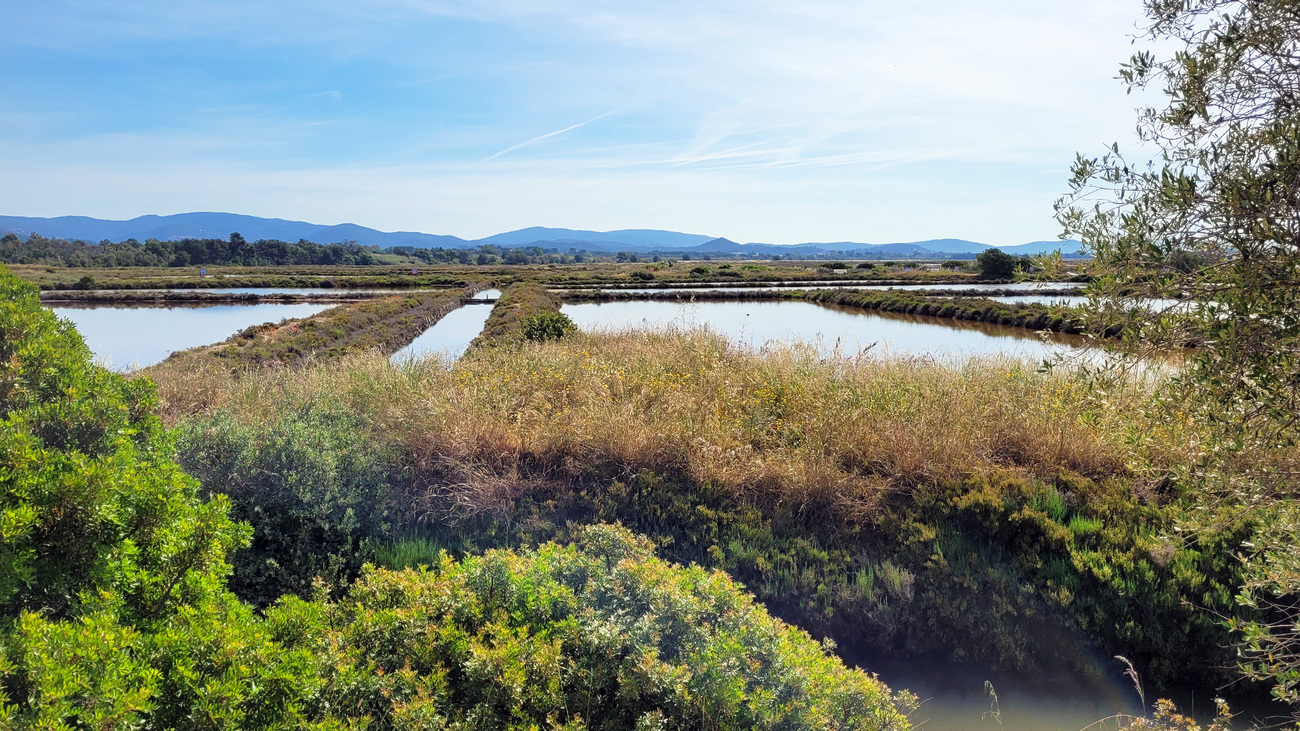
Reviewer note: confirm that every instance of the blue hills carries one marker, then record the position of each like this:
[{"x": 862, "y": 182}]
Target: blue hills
[{"x": 252, "y": 228}]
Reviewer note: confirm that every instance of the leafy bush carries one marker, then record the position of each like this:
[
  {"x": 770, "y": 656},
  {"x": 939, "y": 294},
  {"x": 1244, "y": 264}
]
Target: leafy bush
[
  {"x": 546, "y": 325},
  {"x": 642, "y": 275},
  {"x": 90, "y": 500},
  {"x": 600, "y": 634},
  {"x": 997, "y": 264},
  {"x": 314, "y": 486}
]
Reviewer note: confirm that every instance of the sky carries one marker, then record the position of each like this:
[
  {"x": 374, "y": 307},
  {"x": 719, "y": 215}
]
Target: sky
[{"x": 776, "y": 121}]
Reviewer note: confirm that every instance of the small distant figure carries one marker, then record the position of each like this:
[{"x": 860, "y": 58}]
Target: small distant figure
[
  {"x": 203, "y": 272},
  {"x": 415, "y": 271}
]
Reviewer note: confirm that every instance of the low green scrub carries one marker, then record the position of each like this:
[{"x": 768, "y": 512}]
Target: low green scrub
[
  {"x": 314, "y": 486},
  {"x": 969, "y": 571}
]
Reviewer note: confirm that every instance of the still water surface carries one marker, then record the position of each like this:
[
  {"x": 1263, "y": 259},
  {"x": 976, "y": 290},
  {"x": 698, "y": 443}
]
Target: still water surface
[
  {"x": 829, "y": 329},
  {"x": 450, "y": 336},
  {"x": 126, "y": 337}
]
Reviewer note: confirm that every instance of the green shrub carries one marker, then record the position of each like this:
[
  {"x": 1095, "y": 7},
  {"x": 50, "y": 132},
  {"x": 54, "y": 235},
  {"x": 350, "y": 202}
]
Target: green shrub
[
  {"x": 600, "y": 634},
  {"x": 546, "y": 325},
  {"x": 314, "y": 486},
  {"x": 90, "y": 500}
]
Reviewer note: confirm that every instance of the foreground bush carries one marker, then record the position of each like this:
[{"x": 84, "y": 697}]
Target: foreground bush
[
  {"x": 90, "y": 502},
  {"x": 600, "y": 634}
]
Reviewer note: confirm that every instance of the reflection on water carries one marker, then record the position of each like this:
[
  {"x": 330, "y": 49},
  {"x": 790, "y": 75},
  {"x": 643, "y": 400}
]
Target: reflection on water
[
  {"x": 970, "y": 709},
  {"x": 125, "y": 337},
  {"x": 450, "y": 336},
  {"x": 848, "y": 330}
]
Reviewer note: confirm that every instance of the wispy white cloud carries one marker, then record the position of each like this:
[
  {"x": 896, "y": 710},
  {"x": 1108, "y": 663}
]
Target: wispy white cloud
[{"x": 547, "y": 136}]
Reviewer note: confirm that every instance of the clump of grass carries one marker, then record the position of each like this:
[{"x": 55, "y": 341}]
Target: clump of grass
[{"x": 409, "y": 552}]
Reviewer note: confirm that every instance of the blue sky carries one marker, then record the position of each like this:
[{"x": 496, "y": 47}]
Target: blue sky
[{"x": 758, "y": 120}]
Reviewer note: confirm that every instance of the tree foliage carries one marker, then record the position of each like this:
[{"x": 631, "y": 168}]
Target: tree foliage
[
  {"x": 998, "y": 264},
  {"x": 90, "y": 500},
  {"x": 1214, "y": 221}
]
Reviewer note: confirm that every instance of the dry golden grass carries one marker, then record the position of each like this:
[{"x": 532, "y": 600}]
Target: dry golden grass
[{"x": 785, "y": 424}]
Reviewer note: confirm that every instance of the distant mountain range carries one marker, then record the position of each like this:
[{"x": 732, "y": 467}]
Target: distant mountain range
[{"x": 640, "y": 241}]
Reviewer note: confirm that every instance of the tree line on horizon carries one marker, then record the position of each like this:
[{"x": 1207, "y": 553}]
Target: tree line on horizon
[{"x": 237, "y": 251}]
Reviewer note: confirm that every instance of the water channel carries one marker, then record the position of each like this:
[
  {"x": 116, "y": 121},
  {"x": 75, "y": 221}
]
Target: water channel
[
  {"x": 123, "y": 337},
  {"x": 830, "y": 329},
  {"x": 450, "y": 336}
]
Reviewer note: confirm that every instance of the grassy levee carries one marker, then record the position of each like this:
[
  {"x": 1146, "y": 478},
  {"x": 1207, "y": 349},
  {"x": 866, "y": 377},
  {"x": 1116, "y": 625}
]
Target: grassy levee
[
  {"x": 1014, "y": 314},
  {"x": 585, "y": 274},
  {"x": 386, "y": 325},
  {"x": 984, "y": 513},
  {"x": 516, "y": 306}
]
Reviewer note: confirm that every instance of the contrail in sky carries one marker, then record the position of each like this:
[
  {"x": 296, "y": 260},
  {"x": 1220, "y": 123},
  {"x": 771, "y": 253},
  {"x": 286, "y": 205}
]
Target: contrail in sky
[{"x": 546, "y": 136}]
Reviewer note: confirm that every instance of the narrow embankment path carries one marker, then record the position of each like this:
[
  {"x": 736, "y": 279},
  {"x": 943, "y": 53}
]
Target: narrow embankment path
[
  {"x": 385, "y": 325},
  {"x": 518, "y": 305}
]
